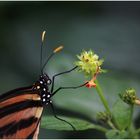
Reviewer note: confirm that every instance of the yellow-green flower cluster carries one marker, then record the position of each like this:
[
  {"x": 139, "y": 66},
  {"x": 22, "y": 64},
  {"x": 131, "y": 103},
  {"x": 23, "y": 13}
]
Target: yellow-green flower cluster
[{"x": 89, "y": 62}]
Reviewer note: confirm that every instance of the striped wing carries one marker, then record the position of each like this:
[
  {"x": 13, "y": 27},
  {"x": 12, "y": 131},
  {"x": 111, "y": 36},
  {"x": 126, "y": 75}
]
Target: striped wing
[{"x": 20, "y": 114}]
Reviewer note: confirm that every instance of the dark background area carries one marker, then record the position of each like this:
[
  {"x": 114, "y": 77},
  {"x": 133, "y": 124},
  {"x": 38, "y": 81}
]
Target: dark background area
[{"x": 111, "y": 29}]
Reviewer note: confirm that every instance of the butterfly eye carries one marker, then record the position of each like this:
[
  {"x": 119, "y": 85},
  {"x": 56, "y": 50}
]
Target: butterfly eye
[{"x": 48, "y": 81}]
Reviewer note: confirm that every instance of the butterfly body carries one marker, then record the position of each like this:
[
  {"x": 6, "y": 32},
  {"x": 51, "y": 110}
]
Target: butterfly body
[{"x": 43, "y": 86}]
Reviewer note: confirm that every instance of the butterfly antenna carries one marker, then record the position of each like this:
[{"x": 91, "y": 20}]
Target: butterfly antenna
[
  {"x": 60, "y": 118},
  {"x": 41, "y": 54},
  {"x": 51, "y": 55}
]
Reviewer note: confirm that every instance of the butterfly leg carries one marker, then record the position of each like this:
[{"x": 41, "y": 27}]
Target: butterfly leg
[
  {"x": 54, "y": 112},
  {"x": 60, "y": 88},
  {"x": 53, "y": 78}
]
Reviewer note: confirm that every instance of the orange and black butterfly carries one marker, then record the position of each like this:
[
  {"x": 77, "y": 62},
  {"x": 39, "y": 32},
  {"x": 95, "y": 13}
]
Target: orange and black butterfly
[{"x": 21, "y": 109}]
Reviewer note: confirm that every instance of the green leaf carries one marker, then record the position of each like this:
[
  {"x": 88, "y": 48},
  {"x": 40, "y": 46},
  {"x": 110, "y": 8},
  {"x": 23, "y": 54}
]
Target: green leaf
[
  {"x": 50, "y": 122},
  {"x": 116, "y": 134},
  {"x": 122, "y": 114}
]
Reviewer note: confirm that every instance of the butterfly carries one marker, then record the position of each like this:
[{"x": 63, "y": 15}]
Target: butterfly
[{"x": 21, "y": 109}]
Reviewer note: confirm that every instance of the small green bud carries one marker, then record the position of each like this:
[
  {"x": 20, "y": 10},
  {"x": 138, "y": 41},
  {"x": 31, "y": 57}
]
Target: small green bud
[
  {"x": 128, "y": 96},
  {"x": 103, "y": 116}
]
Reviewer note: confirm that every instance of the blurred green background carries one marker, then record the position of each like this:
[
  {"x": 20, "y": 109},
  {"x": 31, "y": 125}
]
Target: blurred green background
[{"x": 111, "y": 29}]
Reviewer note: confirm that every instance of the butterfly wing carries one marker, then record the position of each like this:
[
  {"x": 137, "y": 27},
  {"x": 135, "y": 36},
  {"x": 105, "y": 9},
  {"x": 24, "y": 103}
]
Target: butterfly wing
[{"x": 20, "y": 113}]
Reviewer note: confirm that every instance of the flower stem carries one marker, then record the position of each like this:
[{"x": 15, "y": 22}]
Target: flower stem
[
  {"x": 111, "y": 124},
  {"x": 100, "y": 93},
  {"x": 100, "y": 128}
]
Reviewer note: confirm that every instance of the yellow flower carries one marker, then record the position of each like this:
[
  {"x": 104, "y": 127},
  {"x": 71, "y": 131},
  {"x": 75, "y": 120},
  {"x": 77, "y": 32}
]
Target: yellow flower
[{"x": 89, "y": 62}]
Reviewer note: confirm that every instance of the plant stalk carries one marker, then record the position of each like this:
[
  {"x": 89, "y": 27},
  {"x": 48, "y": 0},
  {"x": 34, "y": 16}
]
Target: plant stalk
[
  {"x": 111, "y": 124},
  {"x": 100, "y": 128},
  {"x": 101, "y": 95}
]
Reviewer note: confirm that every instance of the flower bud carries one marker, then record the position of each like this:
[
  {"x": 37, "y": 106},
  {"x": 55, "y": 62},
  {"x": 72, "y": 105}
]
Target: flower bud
[
  {"x": 103, "y": 116},
  {"x": 128, "y": 96}
]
